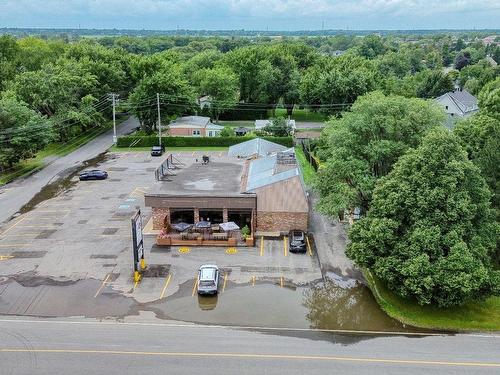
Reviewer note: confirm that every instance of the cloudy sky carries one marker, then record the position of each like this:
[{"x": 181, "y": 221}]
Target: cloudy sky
[{"x": 251, "y": 14}]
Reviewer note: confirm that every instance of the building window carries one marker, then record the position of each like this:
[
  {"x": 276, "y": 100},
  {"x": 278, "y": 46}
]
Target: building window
[
  {"x": 196, "y": 132},
  {"x": 210, "y": 134},
  {"x": 446, "y": 107}
]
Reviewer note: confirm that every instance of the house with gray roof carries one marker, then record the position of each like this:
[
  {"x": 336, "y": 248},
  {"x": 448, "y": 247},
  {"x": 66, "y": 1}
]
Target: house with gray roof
[
  {"x": 194, "y": 126},
  {"x": 458, "y": 104},
  {"x": 256, "y": 147}
]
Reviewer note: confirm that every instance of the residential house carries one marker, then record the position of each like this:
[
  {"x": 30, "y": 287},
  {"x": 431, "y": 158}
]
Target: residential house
[
  {"x": 458, "y": 104},
  {"x": 194, "y": 126}
]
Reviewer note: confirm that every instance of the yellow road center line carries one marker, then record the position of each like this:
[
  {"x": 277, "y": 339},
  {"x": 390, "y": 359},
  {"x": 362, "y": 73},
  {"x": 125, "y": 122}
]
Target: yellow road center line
[
  {"x": 225, "y": 282},
  {"x": 262, "y": 246},
  {"x": 285, "y": 249},
  {"x": 165, "y": 286},
  {"x": 257, "y": 356},
  {"x": 102, "y": 286},
  {"x": 195, "y": 286},
  {"x": 309, "y": 246},
  {"x": 13, "y": 225},
  {"x": 15, "y": 245}
]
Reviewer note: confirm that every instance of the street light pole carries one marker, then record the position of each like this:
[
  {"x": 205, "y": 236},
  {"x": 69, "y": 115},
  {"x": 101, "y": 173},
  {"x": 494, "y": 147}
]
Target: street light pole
[{"x": 159, "y": 118}]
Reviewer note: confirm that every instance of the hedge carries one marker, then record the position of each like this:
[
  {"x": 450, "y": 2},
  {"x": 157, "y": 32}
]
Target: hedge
[{"x": 149, "y": 141}]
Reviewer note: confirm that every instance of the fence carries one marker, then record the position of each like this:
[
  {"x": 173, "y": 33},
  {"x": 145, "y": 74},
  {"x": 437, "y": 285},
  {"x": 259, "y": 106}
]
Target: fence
[
  {"x": 309, "y": 156},
  {"x": 165, "y": 168}
]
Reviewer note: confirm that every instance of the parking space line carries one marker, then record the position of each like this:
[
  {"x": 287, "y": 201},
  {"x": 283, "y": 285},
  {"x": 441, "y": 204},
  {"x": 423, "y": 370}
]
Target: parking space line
[
  {"x": 285, "y": 248},
  {"x": 225, "y": 282},
  {"x": 262, "y": 246},
  {"x": 309, "y": 246},
  {"x": 281, "y": 281},
  {"x": 167, "y": 281},
  {"x": 102, "y": 285},
  {"x": 135, "y": 285},
  {"x": 6, "y": 257},
  {"x": 195, "y": 286},
  {"x": 253, "y": 280},
  {"x": 13, "y": 225}
]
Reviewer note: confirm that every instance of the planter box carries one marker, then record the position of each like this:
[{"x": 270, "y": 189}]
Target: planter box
[
  {"x": 163, "y": 241},
  {"x": 231, "y": 242},
  {"x": 250, "y": 241},
  {"x": 199, "y": 241}
]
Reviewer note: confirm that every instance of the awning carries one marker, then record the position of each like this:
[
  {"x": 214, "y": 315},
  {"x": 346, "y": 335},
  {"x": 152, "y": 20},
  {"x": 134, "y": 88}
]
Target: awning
[{"x": 230, "y": 225}]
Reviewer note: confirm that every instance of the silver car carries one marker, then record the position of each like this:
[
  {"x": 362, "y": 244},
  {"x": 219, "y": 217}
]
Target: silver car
[{"x": 208, "y": 279}]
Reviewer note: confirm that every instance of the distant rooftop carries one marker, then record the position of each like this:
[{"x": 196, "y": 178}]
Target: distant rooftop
[
  {"x": 464, "y": 101},
  {"x": 256, "y": 146}
]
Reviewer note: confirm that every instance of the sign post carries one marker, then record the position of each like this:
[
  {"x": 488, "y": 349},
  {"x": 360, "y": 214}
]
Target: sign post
[{"x": 138, "y": 245}]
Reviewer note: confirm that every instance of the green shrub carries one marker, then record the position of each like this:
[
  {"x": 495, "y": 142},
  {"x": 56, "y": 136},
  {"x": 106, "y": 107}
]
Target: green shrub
[{"x": 148, "y": 141}]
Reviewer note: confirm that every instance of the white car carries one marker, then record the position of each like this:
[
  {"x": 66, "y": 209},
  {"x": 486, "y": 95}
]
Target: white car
[{"x": 208, "y": 279}]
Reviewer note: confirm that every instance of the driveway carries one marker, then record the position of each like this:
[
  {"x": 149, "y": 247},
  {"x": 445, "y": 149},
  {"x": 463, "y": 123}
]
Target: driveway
[{"x": 16, "y": 194}]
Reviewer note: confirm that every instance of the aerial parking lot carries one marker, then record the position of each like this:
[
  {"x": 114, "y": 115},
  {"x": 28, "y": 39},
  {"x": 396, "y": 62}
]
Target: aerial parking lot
[{"x": 70, "y": 254}]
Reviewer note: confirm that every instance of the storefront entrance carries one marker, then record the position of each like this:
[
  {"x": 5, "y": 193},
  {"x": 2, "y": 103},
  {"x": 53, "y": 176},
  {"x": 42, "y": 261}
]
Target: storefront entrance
[
  {"x": 241, "y": 218},
  {"x": 179, "y": 215},
  {"x": 212, "y": 215}
]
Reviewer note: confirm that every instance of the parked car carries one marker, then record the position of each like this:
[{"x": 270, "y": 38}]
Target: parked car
[
  {"x": 157, "y": 150},
  {"x": 94, "y": 174},
  {"x": 208, "y": 279},
  {"x": 297, "y": 241}
]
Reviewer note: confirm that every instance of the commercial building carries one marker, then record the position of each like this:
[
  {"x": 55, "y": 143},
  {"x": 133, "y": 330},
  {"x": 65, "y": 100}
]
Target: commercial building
[{"x": 265, "y": 193}]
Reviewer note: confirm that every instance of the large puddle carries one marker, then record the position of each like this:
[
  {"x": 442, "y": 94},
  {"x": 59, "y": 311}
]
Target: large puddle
[{"x": 323, "y": 306}]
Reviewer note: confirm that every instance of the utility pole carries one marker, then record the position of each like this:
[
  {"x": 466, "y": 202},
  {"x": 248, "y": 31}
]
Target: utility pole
[
  {"x": 113, "y": 99},
  {"x": 159, "y": 118}
]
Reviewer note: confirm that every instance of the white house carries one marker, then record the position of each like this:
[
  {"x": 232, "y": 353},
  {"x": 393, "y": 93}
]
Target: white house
[{"x": 458, "y": 104}]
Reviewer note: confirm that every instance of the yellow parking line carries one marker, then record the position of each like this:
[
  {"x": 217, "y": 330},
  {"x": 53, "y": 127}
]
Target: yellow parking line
[
  {"x": 6, "y": 257},
  {"x": 102, "y": 285},
  {"x": 195, "y": 286},
  {"x": 285, "y": 248},
  {"x": 281, "y": 281},
  {"x": 17, "y": 222},
  {"x": 262, "y": 246},
  {"x": 166, "y": 285},
  {"x": 135, "y": 286},
  {"x": 253, "y": 280},
  {"x": 225, "y": 282},
  {"x": 309, "y": 246}
]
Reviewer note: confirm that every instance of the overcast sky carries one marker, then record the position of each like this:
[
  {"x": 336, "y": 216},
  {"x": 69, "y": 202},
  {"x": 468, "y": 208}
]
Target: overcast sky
[{"x": 251, "y": 14}]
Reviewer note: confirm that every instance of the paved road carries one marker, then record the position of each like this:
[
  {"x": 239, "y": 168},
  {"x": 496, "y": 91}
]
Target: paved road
[
  {"x": 16, "y": 194},
  {"x": 90, "y": 347}
]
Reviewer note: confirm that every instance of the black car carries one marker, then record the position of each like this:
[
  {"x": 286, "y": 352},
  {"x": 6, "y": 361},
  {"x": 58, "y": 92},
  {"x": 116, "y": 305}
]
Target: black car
[
  {"x": 297, "y": 241},
  {"x": 157, "y": 150},
  {"x": 94, "y": 174}
]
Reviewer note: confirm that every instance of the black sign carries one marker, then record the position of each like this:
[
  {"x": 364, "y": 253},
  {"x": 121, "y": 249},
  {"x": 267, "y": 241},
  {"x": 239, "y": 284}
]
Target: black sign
[{"x": 138, "y": 243}]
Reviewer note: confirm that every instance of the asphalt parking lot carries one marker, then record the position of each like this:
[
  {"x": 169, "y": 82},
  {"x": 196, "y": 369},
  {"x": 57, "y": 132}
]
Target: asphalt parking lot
[
  {"x": 84, "y": 233},
  {"x": 70, "y": 254}
]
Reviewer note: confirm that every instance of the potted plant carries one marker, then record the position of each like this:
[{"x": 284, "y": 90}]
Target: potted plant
[{"x": 245, "y": 232}]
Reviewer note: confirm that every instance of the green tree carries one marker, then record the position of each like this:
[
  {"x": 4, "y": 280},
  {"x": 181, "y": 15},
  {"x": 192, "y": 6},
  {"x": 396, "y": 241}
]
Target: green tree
[
  {"x": 227, "y": 132},
  {"x": 9, "y": 52},
  {"x": 176, "y": 95},
  {"x": 430, "y": 234},
  {"x": 489, "y": 99},
  {"x": 432, "y": 83},
  {"x": 221, "y": 84},
  {"x": 279, "y": 127},
  {"x": 23, "y": 132},
  {"x": 363, "y": 145},
  {"x": 480, "y": 137},
  {"x": 371, "y": 46}
]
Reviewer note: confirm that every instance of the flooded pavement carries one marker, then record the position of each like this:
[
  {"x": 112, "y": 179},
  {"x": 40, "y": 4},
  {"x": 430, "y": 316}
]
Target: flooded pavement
[
  {"x": 321, "y": 306},
  {"x": 62, "y": 184}
]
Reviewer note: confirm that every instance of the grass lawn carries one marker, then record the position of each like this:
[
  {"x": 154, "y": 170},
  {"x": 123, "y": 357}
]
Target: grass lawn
[
  {"x": 28, "y": 166},
  {"x": 301, "y": 115},
  {"x": 307, "y": 170},
  {"x": 474, "y": 316},
  {"x": 167, "y": 149}
]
